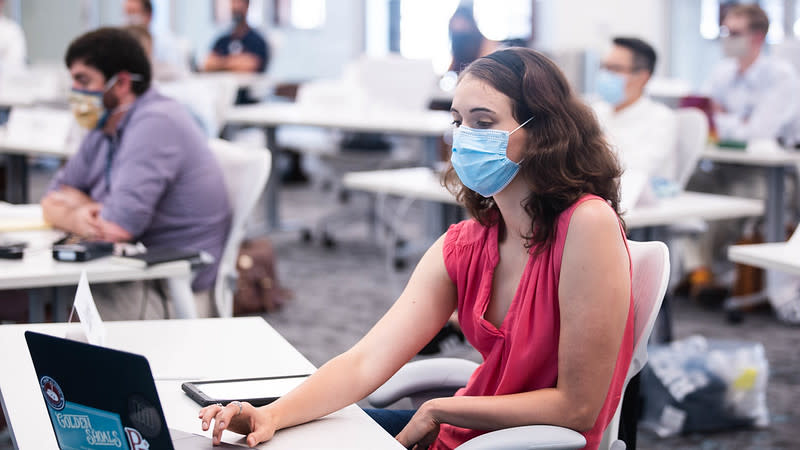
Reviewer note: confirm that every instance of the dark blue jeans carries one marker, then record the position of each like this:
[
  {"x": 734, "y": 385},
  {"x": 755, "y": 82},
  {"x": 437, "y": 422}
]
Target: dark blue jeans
[{"x": 392, "y": 420}]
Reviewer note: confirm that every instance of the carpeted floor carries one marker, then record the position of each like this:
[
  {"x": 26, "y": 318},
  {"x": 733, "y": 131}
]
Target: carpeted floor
[{"x": 340, "y": 293}]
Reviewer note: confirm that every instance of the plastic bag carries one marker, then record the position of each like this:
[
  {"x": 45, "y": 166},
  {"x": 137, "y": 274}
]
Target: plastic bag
[{"x": 697, "y": 384}]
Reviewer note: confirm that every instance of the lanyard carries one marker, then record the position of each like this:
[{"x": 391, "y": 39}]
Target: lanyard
[{"x": 113, "y": 143}]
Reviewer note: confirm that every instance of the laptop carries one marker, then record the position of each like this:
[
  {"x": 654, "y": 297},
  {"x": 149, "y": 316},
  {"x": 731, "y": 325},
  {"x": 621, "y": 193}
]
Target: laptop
[{"x": 97, "y": 397}]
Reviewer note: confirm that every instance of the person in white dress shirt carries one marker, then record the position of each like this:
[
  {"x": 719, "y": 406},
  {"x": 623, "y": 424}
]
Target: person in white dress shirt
[
  {"x": 754, "y": 96},
  {"x": 643, "y": 132},
  {"x": 12, "y": 42},
  {"x": 168, "y": 60}
]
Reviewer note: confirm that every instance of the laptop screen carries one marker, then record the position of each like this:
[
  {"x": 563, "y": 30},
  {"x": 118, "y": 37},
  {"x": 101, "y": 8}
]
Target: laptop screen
[{"x": 97, "y": 397}]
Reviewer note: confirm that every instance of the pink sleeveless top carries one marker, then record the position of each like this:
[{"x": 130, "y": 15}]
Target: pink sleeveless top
[{"x": 522, "y": 355}]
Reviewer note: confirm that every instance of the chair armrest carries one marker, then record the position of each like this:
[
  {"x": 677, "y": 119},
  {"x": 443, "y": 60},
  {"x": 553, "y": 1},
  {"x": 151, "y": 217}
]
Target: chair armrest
[
  {"x": 527, "y": 438},
  {"x": 435, "y": 374}
]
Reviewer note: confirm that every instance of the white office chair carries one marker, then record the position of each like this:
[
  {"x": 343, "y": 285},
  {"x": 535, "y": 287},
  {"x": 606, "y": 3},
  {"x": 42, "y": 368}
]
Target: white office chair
[
  {"x": 692, "y": 140},
  {"x": 650, "y": 262},
  {"x": 246, "y": 171}
]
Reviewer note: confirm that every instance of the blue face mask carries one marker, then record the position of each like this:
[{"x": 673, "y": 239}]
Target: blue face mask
[
  {"x": 610, "y": 87},
  {"x": 480, "y": 160}
]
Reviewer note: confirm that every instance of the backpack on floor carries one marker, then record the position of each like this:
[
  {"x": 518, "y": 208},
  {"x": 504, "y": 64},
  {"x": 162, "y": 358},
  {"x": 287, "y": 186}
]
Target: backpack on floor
[{"x": 258, "y": 289}]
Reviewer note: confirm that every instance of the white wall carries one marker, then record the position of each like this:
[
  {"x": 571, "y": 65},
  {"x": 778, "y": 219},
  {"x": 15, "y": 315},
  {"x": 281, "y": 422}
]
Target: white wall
[
  {"x": 305, "y": 54},
  {"x": 50, "y": 25},
  {"x": 564, "y": 25}
]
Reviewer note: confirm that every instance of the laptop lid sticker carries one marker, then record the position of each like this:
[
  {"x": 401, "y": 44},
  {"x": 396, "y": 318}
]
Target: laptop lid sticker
[{"x": 78, "y": 426}]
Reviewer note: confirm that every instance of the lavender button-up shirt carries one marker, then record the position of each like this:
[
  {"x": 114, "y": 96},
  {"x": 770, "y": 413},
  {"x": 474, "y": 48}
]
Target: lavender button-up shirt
[{"x": 157, "y": 179}]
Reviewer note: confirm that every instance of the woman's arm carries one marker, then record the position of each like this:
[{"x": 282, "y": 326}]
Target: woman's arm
[
  {"x": 594, "y": 298},
  {"x": 415, "y": 318}
]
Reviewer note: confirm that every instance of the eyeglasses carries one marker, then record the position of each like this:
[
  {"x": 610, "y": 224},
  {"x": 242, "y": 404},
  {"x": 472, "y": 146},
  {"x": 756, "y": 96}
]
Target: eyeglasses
[
  {"x": 727, "y": 32},
  {"x": 616, "y": 68}
]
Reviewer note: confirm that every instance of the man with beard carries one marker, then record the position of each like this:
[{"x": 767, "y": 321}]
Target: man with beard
[
  {"x": 241, "y": 50},
  {"x": 144, "y": 173}
]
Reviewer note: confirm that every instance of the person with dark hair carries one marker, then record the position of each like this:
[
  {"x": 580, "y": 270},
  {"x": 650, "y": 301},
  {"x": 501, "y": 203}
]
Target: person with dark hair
[
  {"x": 168, "y": 61},
  {"x": 540, "y": 277},
  {"x": 243, "y": 49},
  {"x": 143, "y": 173},
  {"x": 643, "y": 132},
  {"x": 754, "y": 96},
  {"x": 467, "y": 43}
]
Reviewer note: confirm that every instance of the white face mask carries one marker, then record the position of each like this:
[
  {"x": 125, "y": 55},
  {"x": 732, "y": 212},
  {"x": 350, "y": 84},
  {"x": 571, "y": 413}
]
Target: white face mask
[
  {"x": 135, "y": 19},
  {"x": 734, "y": 47}
]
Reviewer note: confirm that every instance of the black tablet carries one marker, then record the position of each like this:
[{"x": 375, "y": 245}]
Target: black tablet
[{"x": 256, "y": 391}]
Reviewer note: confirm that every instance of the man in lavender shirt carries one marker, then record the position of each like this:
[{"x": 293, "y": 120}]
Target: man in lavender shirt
[{"x": 144, "y": 173}]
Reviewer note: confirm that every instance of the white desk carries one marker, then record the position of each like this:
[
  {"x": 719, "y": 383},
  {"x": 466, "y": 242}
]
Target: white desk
[
  {"x": 429, "y": 125},
  {"x": 38, "y": 269},
  {"x": 182, "y": 351},
  {"x": 780, "y": 256},
  {"x": 423, "y": 183},
  {"x": 775, "y": 165}
]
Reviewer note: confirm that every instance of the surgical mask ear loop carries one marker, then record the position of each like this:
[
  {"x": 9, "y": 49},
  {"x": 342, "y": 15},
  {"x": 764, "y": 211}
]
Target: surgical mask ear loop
[{"x": 520, "y": 125}]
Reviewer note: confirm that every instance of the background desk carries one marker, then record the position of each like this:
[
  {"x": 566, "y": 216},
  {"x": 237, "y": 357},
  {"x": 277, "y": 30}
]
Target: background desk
[
  {"x": 181, "y": 351},
  {"x": 424, "y": 184},
  {"x": 775, "y": 165},
  {"x": 17, "y": 153},
  {"x": 39, "y": 270},
  {"x": 780, "y": 256},
  {"x": 429, "y": 125}
]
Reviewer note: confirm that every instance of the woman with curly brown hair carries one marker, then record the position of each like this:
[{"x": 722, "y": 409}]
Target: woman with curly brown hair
[{"x": 540, "y": 277}]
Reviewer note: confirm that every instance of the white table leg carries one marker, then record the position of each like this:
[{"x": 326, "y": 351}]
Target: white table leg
[
  {"x": 180, "y": 292},
  {"x": 36, "y": 302}
]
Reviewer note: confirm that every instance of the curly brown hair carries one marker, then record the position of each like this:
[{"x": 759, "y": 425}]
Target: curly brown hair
[{"x": 567, "y": 155}]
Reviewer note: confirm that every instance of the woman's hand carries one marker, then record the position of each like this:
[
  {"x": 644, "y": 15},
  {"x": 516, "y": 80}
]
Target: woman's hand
[
  {"x": 422, "y": 429},
  {"x": 240, "y": 417}
]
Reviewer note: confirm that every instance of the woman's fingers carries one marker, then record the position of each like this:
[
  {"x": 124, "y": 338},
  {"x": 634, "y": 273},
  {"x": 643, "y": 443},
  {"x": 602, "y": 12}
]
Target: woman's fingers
[
  {"x": 221, "y": 420},
  {"x": 208, "y": 413}
]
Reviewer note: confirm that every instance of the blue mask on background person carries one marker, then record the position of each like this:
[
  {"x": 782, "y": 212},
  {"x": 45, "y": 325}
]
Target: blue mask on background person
[
  {"x": 610, "y": 86},
  {"x": 480, "y": 160}
]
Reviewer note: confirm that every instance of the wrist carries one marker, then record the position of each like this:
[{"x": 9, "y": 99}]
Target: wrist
[
  {"x": 434, "y": 409},
  {"x": 271, "y": 414}
]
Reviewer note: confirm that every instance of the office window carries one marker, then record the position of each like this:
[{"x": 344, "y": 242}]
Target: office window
[
  {"x": 300, "y": 14},
  {"x": 775, "y": 12},
  {"x": 709, "y": 19},
  {"x": 423, "y": 30},
  {"x": 500, "y": 20}
]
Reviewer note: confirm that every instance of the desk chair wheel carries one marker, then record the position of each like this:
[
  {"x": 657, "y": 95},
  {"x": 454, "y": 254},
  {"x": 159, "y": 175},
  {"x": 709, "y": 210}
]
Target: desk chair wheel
[
  {"x": 734, "y": 316},
  {"x": 305, "y": 236},
  {"x": 328, "y": 241}
]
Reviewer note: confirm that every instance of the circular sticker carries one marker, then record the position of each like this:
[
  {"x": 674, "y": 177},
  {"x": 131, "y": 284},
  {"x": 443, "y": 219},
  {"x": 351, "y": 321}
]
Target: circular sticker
[
  {"x": 53, "y": 394},
  {"x": 144, "y": 416}
]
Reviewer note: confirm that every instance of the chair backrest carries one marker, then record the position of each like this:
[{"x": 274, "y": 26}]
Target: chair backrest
[
  {"x": 246, "y": 171},
  {"x": 650, "y": 262},
  {"x": 692, "y": 139}
]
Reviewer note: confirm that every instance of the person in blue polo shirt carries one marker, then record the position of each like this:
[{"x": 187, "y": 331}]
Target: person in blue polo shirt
[{"x": 241, "y": 50}]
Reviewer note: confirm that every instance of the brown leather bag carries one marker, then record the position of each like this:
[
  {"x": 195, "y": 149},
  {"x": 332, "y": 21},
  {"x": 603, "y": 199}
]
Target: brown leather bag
[
  {"x": 258, "y": 289},
  {"x": 749, "y": 279}
]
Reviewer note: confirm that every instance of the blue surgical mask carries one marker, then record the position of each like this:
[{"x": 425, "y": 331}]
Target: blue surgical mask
[
  {"x": 480, "y": 160},
  {"x": 610, "y": 87}
]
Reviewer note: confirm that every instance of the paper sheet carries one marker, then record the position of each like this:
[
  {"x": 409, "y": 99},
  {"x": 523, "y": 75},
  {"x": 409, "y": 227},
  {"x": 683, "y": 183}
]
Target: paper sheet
[{"x": 90, "y": 319}]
